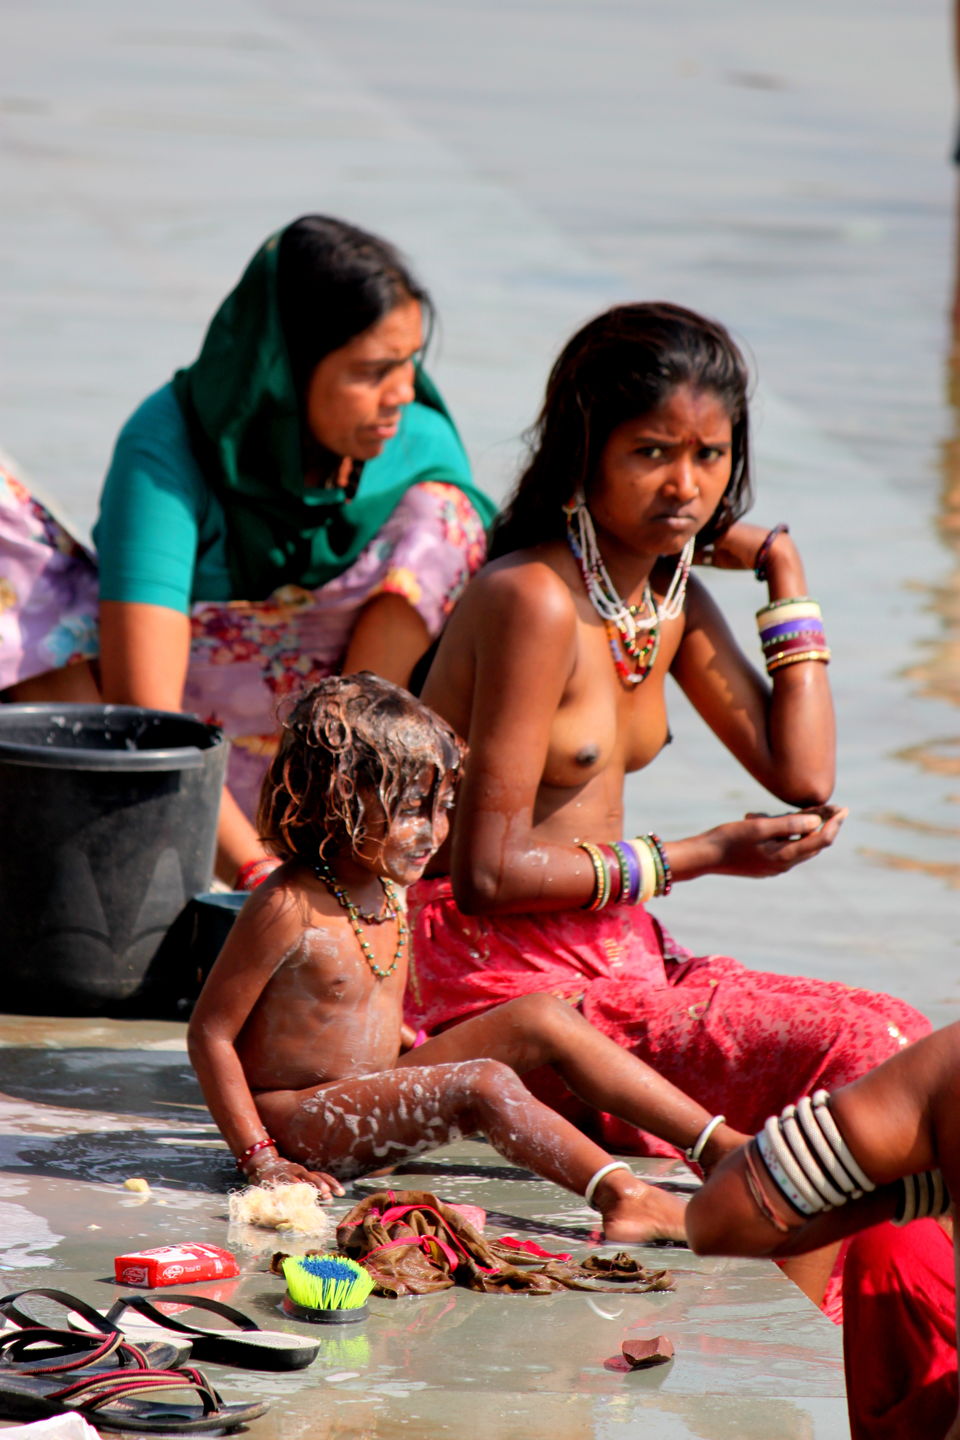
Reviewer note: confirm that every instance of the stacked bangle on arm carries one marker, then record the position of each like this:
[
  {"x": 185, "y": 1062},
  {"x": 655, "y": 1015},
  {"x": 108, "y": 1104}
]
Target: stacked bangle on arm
[
  {"x": 791, "y": 631},
  {"x": 628, "y": 872}
]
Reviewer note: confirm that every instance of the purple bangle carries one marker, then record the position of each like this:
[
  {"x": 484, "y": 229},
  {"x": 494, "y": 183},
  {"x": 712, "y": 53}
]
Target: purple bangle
[
  {"x": 809, "y": 626},
  {"x": 760, "y": 559},
  {"x": 630, "y": 893}
]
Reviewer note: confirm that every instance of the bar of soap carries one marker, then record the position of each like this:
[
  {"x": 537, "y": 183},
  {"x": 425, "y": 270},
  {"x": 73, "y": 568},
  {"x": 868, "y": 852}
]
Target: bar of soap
[
  {"x": 641, "y": 1353},
  {"x": 183, "y": 1264},
  {"x": 142, "y": 1187}
]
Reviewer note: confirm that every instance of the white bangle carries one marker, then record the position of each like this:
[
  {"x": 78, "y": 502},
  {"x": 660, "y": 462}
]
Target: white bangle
[
  {"x": 836, "y": 1141},
  {"x": 594, "y": 1180},
  {"x": 940, "y": 1201},
  {"x": 648, "y": 869},
  {"x": 778, "y": 1173},
  {"x": 700, "y": 1144},
  {"x": 908, "y": 1207},
  {"x": 814, "y": 1201},
  {"x": 816, "y": 1139},
  {"x": 924, "y": 1195},
  {"x": 807, "y": 1160}
]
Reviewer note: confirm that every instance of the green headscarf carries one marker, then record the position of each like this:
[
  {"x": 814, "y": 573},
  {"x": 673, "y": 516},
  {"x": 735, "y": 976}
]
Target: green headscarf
[{"x": 240, "y": 405}]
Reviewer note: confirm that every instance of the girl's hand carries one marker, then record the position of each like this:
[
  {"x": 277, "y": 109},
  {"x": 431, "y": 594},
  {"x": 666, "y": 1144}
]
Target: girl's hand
[
  {"x": 765, "y": 845},
  {"x": 274, "y": 1170},
  {"x": 737, "y": 548}
]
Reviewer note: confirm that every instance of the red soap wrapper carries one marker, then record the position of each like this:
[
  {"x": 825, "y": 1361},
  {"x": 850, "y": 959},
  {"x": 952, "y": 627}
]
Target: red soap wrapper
[{"x": 174, "y": 1265}]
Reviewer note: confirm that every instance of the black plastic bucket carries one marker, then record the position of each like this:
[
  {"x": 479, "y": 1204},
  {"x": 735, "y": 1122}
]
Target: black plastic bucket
[{"x": 108, "y": 819}]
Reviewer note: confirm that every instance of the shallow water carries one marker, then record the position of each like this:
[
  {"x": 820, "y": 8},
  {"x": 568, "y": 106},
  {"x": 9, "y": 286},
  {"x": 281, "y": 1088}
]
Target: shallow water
[{"x": 784, "y": 169}]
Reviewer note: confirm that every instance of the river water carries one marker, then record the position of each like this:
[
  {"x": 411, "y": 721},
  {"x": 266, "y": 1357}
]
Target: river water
[{"x": 785, "y": 169}]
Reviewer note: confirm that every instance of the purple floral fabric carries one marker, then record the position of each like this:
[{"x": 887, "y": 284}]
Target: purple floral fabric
[
  {"x": 245, "y": 656},
  {"x": 48, "y": 589}
]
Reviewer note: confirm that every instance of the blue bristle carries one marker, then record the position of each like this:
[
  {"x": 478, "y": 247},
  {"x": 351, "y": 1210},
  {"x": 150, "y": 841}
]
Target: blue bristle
[{"x": 328, "y": 1269}]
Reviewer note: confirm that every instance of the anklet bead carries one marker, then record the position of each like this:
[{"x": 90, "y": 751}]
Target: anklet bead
[{"x": 601, "y": 1174}]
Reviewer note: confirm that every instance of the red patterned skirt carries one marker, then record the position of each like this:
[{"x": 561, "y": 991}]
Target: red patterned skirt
[{"x": 743, "y": 1043}]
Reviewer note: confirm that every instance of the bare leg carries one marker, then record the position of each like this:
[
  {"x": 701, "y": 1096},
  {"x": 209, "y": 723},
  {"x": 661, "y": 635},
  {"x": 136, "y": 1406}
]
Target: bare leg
[
  {"x": 811, "y": 1272},
  {"x": 542, "y": 1030},
  {"x": 356, "y": 1125}
]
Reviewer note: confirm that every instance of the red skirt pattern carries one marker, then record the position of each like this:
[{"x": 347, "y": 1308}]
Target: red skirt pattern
[{"x": 743, "y": 1043}]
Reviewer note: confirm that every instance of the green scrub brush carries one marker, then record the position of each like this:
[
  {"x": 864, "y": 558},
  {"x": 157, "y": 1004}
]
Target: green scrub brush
[{"x": 326, "y": 1289}]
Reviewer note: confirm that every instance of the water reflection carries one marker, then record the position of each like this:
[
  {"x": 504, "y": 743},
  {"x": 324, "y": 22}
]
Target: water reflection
[{"x": 937, "y": 674}]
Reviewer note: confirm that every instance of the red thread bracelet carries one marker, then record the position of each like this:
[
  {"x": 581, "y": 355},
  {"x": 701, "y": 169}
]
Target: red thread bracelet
[
  {"x": 251, "y": 1150},
  {"x": 254, "y": 872}
]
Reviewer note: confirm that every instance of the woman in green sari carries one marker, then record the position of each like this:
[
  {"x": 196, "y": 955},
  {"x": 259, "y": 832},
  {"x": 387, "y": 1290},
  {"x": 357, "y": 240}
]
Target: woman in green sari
[{"x": 295, "y": 502}]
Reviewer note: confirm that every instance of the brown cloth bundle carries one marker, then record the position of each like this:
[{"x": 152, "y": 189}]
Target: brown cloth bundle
[{"x": 412, "y": 1243}]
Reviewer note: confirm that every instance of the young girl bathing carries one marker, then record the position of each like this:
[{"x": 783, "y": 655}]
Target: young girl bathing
[
  {"x": 554, "y": 667},
  {"x": 298, "y": 1039}
]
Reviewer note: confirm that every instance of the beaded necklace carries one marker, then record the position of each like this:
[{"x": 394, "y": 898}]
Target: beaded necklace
[
  {"x": 391, "y": 910},
  {"x": 633, "y": 631}
]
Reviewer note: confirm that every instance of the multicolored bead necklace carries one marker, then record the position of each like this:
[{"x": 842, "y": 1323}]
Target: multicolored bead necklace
[
  {"x": 391, "y": 911},
  {"x": 633, "y": 631}
]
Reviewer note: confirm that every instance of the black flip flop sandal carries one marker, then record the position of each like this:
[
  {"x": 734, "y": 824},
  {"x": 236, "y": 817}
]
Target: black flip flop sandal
[
  {"x": 170, "y": 1351},
  {"x": 43, "y": 1350},
  {"x": 247, "y": 1346},
  {"x": 126, "y": 1400}
]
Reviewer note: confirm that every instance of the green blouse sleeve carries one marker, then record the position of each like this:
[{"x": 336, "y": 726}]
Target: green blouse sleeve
[{"x": 157, "y": 517}]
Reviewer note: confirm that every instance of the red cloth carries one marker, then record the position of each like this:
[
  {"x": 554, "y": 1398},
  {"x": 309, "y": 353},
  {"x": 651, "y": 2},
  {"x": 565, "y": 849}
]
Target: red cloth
[
  {"x": 742, "y": 1042},
  {"x": 900, "y": 1335}
]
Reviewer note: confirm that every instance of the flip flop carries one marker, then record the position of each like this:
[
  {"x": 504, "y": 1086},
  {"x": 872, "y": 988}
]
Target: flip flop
[
  {"x": 158, "y": 1356},
  {"x": 247, "y": 1346},
  {"x": 42, "y": 1350},
  {"x": 115, "y": 1400}
]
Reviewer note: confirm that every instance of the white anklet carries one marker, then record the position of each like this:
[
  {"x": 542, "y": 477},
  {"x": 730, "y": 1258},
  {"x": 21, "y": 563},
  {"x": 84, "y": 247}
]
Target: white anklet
[
  {"x": 700, "y": 1144},
  {"x": 594, "y": 1180}
]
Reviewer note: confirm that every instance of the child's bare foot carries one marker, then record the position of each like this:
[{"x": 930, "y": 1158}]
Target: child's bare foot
[{"x": 637, "y": 1214}]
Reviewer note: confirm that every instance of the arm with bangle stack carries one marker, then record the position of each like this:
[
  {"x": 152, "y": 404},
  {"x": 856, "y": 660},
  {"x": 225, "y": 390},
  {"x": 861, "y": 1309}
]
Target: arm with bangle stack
[
  {"x": 886, "y": 1147},
  {"x": 515, "y": 847}
]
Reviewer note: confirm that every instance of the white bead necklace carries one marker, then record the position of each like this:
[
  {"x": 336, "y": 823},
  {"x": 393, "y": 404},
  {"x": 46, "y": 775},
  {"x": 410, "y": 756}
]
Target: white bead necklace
[{"x": 626, "y": 620}]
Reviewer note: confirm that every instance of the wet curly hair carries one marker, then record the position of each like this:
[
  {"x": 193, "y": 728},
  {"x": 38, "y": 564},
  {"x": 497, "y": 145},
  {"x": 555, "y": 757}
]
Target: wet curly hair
[{"x": 342, "y": 739}]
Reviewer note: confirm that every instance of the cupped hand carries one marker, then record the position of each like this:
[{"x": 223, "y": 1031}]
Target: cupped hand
[
  {"x": 274, "y": 1170},
  {"x": 765, "y": 845},
  {"x": 736, "y": 548}
]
